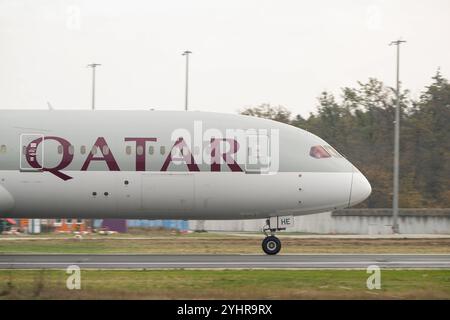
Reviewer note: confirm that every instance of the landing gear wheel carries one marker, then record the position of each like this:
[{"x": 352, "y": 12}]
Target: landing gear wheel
[{"x": 271, "y": 245}]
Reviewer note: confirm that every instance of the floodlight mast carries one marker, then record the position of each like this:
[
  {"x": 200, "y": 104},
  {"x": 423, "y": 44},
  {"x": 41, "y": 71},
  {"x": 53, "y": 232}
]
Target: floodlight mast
[
  {"x": 93, "y": 66},
  {"x": 395, "y": 225}
]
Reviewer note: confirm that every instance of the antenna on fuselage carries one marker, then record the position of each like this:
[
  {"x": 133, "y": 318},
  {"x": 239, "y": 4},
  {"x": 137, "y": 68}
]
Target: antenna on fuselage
[{"x": 50, "y": 107}]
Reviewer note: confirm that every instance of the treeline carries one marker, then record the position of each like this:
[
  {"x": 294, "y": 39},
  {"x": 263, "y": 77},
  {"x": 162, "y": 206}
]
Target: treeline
[{"x": 360, "y": 124}]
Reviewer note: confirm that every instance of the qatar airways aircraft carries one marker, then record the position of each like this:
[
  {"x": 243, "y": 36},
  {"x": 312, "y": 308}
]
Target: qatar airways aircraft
[{"x": 169, "y": 165}]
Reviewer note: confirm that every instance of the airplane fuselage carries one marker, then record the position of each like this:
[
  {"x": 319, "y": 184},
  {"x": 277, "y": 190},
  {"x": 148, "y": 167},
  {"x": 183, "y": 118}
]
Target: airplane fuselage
[{"x": 167, "y": 165}]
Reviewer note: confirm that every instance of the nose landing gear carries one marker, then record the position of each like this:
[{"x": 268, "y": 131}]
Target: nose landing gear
[{"x": 271, "y": 245}]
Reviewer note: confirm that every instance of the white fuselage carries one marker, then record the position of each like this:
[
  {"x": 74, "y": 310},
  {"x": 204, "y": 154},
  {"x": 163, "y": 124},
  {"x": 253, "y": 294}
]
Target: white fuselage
[{"x": 164, "y": 165}]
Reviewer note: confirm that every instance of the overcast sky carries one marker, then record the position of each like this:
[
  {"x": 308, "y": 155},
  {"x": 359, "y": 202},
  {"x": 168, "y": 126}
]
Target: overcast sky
[{"x": 244, "y": 52}]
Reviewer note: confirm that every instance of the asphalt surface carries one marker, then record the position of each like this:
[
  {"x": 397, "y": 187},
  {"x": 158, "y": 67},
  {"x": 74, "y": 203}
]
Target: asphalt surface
[{"x": 302, "y": 261}]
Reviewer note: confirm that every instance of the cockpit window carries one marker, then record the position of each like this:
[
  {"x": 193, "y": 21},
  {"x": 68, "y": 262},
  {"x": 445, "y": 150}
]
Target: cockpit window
[
  {"x": 319, "y": 152},
  {"x": 332, "y": 151}
]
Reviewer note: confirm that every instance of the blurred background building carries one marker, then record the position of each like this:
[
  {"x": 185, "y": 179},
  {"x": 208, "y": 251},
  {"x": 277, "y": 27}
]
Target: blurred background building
[{"x": 348, "y": 221}]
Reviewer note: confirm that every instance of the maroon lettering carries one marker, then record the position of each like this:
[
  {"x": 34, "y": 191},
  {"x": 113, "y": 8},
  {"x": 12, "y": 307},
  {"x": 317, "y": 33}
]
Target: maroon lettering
[
  {"x": 66, "y": 159},
  {"x": 217, "y": 155},
  {"x": 229, "y": 160},
  {"x": 186, "y": 154},
  {"x": 107, "y": 156},
  {"x": 140, "y": 157}
]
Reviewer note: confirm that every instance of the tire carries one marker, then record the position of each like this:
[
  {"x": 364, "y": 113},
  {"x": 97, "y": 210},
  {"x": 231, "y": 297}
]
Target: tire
[{"x": 271, "y": 245}]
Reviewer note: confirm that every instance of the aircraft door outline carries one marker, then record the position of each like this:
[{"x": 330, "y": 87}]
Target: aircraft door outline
[
  {"x": 31, "y": 152},
  {"x": 258, "y": 153}
]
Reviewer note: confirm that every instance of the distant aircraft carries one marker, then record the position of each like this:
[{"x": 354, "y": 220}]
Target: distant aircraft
[{"x": 169, "y": 165}]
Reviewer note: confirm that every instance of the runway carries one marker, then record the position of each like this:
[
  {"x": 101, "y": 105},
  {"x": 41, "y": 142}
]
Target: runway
[{"x": 298, "y": 261}]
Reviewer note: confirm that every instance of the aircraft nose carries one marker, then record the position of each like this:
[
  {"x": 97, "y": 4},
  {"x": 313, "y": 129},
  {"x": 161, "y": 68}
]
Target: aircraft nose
[
  {"x": 6, "y": 200},
  {"x": 360, "y": 190}
]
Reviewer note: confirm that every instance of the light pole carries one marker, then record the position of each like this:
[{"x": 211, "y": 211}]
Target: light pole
[
  {"x": 395, "y": 226},
  {"x": 93, "y": 66},
  {"x": 186, "y": 53}
]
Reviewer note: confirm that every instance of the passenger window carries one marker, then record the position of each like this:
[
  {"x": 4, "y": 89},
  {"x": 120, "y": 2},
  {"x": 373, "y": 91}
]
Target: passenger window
[
  {"x": 60, "y": 149},
  {"x": 140, "y": 150},
  {"x": 128, "y": 150},
  {"x": 94, "y": 150},
  {"x": 83, "y": 149},
  {"x": 162, "y": 150},
  {"x": 71, "y": 150},
  {"x": 3, "y": 148},
  {"x": 105, "y": 150},
  {"x": 151, "y": 150}
]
